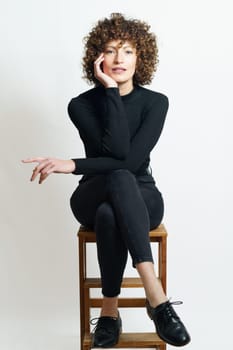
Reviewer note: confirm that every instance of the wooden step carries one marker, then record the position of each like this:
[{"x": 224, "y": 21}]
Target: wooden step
[
  {"x": 132, "y": 340},
  {"x": 128, "y": 282},
  {"x": 122, "y": 302}
]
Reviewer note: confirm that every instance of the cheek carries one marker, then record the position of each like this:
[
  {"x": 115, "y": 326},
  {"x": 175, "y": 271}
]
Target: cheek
[
  {"x": 105, "y": 66},
  {"x": 133, "y": 64}
]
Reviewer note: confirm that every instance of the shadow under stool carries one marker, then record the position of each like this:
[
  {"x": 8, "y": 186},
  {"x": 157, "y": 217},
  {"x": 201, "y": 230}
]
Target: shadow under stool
[{"x": 126, "y": 340}]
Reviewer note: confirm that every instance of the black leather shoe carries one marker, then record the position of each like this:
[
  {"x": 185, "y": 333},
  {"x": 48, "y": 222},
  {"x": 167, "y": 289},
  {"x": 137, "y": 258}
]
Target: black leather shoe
[
  {"x": 168, "y": 324},
  {"x": 107, "y": 331}
]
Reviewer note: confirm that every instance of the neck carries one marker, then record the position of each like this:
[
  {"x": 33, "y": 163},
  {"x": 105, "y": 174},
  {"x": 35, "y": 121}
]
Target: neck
[{"x": 125, "y": 88}]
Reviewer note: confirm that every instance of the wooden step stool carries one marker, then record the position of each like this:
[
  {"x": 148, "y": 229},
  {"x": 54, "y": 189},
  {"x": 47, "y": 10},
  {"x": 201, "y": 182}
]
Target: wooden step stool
[{"x": 126, "y": 340}]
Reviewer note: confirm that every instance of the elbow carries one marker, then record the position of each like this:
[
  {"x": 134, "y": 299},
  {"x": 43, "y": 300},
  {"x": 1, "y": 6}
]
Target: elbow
[{"x": 119, "y": 152}]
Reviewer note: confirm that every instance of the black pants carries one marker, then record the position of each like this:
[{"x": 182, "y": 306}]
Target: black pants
[{"x": 121, "y": 209}]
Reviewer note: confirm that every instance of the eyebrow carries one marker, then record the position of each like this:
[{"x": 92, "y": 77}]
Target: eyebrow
[{"x": 124, "y": 46}]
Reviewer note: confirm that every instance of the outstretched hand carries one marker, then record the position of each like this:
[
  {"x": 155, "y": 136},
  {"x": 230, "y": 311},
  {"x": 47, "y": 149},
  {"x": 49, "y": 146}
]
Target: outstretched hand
[
  {"x": 47, "y": 166},
  {"x": 105, "y": 79}
]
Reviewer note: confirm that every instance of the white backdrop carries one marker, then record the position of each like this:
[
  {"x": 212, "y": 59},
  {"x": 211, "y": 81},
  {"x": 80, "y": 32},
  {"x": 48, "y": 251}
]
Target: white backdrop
[{"x": 40, "y": 55}]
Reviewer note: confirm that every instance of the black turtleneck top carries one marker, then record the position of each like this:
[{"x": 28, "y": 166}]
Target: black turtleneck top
[{"x": 118, "y": 132}]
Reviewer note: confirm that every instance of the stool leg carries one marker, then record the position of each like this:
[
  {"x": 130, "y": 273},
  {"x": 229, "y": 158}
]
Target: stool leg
[
  {"x": 84, "y": 294},
  {"x": 87, "y": 310},
  {"x": 82, "y": 272},
  {"x": 162, "y": 246},
  {"x": 163, "y": 262}
]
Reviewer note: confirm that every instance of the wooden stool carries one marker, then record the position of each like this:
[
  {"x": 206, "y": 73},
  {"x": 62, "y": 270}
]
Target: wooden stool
[{"x": 126, "y": 340}]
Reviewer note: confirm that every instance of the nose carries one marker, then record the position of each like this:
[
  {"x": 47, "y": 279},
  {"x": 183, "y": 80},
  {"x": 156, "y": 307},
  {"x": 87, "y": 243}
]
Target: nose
[{"x": 119, "y": 57}]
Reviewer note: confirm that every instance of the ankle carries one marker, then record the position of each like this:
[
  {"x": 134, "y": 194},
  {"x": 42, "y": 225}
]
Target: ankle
[
  {"x": 109, "y": 307},
  {"x": 109, "y": 313},
  {"x": 155, "y": 301}
]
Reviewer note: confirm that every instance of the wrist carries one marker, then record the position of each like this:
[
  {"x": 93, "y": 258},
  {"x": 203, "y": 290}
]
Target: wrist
[
  {"x": 72, "y": 165},
  {"x": 111, "y": 85}
]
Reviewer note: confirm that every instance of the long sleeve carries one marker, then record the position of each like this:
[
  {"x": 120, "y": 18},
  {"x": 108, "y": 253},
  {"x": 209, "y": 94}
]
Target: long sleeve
[
  {"x": 141, "y": 144},
  {"x": 115, "y": 126},
  {"x": 103, "y": 129}
]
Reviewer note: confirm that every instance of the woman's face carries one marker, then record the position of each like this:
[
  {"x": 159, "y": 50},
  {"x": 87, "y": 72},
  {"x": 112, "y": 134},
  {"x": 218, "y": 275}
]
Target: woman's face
[{"x": 120, "y": 61}]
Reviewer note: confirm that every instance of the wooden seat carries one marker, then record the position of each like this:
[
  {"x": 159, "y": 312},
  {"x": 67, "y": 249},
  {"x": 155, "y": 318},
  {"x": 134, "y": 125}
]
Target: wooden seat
[{"x": 126, "y": 340}]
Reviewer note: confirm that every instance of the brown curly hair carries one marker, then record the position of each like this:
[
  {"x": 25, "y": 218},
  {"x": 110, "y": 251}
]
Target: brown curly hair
[{"x": 117, "y": 27}]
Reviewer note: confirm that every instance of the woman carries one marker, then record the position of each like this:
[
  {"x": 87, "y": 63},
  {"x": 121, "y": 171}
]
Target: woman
[{"x": 119, "y": 123}]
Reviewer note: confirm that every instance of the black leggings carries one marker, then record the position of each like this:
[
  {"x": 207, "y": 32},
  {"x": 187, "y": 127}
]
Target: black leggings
[{"x": 121, "y": 210}]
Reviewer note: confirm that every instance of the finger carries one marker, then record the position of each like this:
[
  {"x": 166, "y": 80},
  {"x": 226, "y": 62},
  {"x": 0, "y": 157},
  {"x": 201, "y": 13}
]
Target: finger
[
  {"x": 39, "y": 168},
  {"x": 34, "y": 175},
  {"x": 43, "y": 177},
  {"x": 53, "y": 169},
  {"x": 99, "y": 60},
  {"x": 100, "y": 56},
  {"x": 97, "y": 70},
  {"x": 32, "y": 160},
  {"x": 48, "y": 169}
]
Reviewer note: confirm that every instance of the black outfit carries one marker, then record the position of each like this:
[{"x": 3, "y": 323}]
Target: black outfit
[{"x": 117, "y": 195}]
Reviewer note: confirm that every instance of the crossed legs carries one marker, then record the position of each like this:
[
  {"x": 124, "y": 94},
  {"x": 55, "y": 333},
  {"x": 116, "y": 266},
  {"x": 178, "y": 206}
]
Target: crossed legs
[{"x": 121, "y": 211}]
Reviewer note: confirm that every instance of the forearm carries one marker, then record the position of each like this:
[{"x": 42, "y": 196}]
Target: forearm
[
  {"x": 100, "y": 165},
  {"x": 116, "y": 137}
]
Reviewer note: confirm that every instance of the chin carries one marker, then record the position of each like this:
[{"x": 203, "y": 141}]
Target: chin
[{"x": 121, "y": 81}]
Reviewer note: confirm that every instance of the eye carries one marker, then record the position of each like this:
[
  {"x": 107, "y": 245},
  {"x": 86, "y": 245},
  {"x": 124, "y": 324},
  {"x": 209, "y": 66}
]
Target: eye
[
  {"x": 129, "y": 52},
  {"x": 109, "y": 51}
]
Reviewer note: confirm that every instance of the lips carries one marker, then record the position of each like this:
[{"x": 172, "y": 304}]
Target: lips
[{"x": 118, "y": 69}]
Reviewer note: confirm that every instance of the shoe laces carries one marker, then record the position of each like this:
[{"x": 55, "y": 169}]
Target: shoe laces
[
  {"x": 102, "y": 325},
  {"x": 170, "y": 311},
  {"x": 94, "y": 321}
]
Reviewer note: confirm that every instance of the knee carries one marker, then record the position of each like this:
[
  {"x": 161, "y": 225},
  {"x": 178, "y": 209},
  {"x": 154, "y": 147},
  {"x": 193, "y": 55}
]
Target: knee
[
  {"x": 121, "y": 176},
  {"x": 104, "y": 217}
]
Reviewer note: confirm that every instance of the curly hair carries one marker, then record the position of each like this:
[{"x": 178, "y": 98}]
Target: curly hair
[{"x": 117, "y": 27}]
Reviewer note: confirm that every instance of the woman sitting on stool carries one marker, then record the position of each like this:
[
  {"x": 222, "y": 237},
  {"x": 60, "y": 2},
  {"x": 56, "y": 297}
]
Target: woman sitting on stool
[{"x": 119, "y": 122}]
